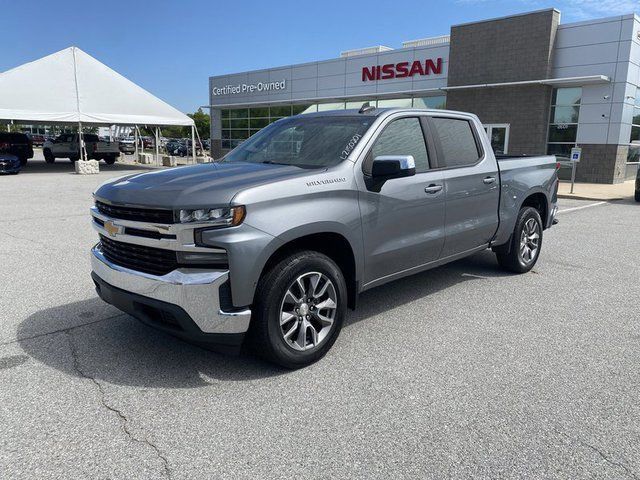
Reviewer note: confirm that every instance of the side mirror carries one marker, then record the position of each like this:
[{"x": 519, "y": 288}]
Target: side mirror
[{"x": 393, "y": 166}]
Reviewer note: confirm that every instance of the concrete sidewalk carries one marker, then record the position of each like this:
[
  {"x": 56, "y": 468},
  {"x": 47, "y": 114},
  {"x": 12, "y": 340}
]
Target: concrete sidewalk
[{"x": 597, "y": 191}]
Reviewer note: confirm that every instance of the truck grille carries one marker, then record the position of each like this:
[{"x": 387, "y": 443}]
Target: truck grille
[
  {"x": 155, "y": 261},
  {"x": 151, "y": 215}
]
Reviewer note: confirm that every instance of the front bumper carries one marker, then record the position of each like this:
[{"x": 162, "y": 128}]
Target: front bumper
[{"x": 185, "y": 302}]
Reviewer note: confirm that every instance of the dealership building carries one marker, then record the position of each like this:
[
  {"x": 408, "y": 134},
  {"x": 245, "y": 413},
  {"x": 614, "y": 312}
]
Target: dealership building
[{"x": 537, "y": 85}]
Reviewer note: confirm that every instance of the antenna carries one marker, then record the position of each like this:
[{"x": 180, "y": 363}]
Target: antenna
[{"x": 366, "y": 107}]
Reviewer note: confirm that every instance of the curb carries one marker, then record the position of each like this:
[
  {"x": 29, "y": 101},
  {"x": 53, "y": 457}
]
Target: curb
[{"x": 586, "y": 197}]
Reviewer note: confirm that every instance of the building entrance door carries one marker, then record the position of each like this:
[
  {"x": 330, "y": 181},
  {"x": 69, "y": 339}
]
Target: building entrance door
[{"x": 498, "y": 134}]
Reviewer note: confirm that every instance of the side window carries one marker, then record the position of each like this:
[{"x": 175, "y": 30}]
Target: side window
[
  {"x": 401, "y": 137},
  {"x": 458, "y": 144}
]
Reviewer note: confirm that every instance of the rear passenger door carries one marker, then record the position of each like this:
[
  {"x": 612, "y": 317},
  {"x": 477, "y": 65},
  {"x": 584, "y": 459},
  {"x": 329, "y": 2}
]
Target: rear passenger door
[
  {"x": 471, "y": 184},
  {"x": 402, "y": 219},
  {"x": 61, "y": 147}
]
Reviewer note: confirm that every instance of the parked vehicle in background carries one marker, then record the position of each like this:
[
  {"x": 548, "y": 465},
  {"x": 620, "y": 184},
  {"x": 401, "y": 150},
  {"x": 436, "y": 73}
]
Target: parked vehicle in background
[
  {"x": 148, "y": 142},
  {"x": 637, "y": 195},
  {"x": 127, "y": 145},
  {"x": 172, "y": 146},
  {"x": 17, "y": 144},
  {"x": 67, "y": 145},
  {"x": 37, "y": 140},
  {"x": 185, "y": 148},
  {"x": 281, "y": 236},
  {"x": 9, "y": 163}
]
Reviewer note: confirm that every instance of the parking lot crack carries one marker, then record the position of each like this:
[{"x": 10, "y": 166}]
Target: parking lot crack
[
  {"x": 603, "y": 455},
  {"x": 124, "y": 420}
]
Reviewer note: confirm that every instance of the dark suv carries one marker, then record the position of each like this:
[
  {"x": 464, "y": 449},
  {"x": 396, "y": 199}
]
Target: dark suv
[{"x": 17, "y": 144}]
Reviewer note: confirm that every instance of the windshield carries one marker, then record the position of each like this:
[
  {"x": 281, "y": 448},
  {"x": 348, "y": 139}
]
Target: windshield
[{"x": 306, "y": 142}]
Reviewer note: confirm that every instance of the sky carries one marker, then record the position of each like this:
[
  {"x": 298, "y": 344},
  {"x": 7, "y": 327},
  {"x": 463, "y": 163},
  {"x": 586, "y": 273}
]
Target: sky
[{"x": 171, "y": 48}]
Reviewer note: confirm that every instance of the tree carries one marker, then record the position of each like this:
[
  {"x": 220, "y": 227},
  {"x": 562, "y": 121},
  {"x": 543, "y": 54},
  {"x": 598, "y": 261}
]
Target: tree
[{"x": 203, "y": 123}]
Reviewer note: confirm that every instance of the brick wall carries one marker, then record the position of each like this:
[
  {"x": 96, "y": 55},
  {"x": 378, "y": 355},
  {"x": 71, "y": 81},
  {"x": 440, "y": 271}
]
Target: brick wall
[
  {"x": 602, "y": 164},
  {"x": 504, "y": 50},
  {"x": 525, "y": 108}
]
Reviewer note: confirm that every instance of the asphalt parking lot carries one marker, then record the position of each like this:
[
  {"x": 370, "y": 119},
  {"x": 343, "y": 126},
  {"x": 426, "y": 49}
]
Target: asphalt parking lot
[{"x": 461, "y": 372}]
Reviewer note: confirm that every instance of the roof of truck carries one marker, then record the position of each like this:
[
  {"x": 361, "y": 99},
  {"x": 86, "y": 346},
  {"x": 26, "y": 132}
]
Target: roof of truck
[{"x": 375, "y": 112}]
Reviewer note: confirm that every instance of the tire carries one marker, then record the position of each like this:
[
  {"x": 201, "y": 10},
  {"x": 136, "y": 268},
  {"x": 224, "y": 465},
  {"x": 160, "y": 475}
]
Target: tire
[
  {"x": 273, "y": 303},
  {"x": 637, "y": 196},
  {"x": 23, "y": 161},
  {"x": 524, "y": 248},
  {"x": 48, "y": 156},
  {"x": 110, "y": 160},
  {"x": 74, "y": 159}
]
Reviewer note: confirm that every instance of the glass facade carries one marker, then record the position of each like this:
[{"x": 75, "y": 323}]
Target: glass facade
[
  {"x": 563, "y": 121},
  {"x": 238, "y": 124},
  {"x": 633, "y": 156}
]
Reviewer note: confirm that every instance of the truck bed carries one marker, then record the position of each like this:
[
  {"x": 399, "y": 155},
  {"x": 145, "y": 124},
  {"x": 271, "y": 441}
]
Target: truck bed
[{"x": 520, "y": 177}]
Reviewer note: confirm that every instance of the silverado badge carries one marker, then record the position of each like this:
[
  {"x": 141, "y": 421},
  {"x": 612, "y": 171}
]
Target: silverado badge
[{"x": 112, "y": 229}]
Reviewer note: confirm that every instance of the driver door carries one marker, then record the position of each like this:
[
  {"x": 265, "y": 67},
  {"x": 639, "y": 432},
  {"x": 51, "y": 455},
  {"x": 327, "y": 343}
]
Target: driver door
[{"x": 403, "y": 219}]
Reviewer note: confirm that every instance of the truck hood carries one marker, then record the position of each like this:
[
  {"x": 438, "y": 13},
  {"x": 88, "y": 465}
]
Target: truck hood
[{"x": 208, "y": 184}]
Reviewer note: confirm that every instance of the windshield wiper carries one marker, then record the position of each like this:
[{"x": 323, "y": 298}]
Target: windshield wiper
[{"x": 271, "y": 162}]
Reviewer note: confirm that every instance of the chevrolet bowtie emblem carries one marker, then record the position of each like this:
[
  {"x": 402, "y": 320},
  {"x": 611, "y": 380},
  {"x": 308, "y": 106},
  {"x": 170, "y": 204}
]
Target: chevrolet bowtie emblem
[{"x": 112, "y": 229}]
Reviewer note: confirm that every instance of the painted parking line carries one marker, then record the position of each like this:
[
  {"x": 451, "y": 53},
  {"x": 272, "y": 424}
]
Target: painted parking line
[{"x": 581, "y": 207}]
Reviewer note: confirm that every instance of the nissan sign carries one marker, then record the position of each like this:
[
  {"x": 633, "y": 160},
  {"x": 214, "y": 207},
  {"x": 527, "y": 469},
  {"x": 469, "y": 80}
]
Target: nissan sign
[{"x": 402, "y": 70}]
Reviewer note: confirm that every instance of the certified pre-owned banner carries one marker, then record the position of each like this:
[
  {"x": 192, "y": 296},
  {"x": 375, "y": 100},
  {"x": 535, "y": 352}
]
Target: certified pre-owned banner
[{"x": 249, "y": 87}]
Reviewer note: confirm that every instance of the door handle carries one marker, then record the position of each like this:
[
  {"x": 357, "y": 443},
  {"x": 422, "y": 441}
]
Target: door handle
[
  {"x": 433, "y": 188},
  {"x": 489, "y": 180}
]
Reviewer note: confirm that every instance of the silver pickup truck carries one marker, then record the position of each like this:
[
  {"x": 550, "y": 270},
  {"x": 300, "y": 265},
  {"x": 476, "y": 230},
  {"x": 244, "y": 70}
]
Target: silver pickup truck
[
  {"x": 276, "y": 241},
  {"x": 67, "y": 145}
]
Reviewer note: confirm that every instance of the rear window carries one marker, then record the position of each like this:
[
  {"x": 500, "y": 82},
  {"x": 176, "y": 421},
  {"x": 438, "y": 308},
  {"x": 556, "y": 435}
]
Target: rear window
[
  {"x": 457, "y": 142},
  {"x": 14, "y": 137}
]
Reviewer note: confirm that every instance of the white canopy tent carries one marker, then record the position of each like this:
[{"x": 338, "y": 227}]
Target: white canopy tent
[{"x": 72, "y": 87}]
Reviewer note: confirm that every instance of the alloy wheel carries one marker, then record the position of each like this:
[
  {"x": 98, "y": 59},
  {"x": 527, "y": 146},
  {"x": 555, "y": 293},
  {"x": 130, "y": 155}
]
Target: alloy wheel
[
  {"x": 308, "y": 310},
  {"x": 529, "y": 240}
]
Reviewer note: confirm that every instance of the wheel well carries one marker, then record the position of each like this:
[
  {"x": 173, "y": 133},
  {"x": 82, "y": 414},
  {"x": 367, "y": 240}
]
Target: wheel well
[
  {"x": 334, "y": 246},
  {"x": 539, "y": 202}
]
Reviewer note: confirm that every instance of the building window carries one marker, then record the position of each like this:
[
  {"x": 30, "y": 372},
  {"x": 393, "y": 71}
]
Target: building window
[
  {"x": 238, "y": 124},
  {"x": 439, "y": 102},
  {"x": 633, "y": 156},
  {"x": 563, "y": 121}
]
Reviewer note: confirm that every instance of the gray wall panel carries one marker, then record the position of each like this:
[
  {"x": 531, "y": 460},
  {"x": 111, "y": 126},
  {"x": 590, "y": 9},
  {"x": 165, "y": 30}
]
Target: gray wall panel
[
  {"x": 304, "y": 71},
  {"x": 334, "y": 67}
]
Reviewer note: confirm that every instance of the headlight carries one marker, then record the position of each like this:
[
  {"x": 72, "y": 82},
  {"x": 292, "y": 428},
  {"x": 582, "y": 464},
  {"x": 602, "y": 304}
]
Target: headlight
[{"x": 216, "y": 217}]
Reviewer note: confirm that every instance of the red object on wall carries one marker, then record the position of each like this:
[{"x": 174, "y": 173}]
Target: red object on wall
[{"x": 402, "y": 70}]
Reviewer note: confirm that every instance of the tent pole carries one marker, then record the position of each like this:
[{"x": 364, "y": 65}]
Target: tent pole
[
  {"x": 193, "y": 144},
  {"x": 157, "y": 142},
  {"x": 200, "y": 143},
  {"x": 135, "y": 137},
  {"x": 83, "y": 152}
]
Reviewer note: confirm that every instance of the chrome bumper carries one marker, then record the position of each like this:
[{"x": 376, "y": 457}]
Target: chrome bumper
[{"x": 196, "y": 291}]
